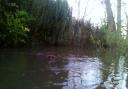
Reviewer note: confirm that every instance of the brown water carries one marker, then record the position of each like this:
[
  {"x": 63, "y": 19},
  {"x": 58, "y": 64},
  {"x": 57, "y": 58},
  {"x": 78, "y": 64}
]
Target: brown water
[{"x": 74, "y": 69}]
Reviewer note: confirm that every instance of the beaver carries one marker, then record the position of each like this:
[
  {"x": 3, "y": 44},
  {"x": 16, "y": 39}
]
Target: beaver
[
  {"x": 52, "y": 55},
  {"x": 48, "y": 55}
]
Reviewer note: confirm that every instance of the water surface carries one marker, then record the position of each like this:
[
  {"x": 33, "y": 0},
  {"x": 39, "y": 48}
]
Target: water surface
[{"x": 73, "y": 69}]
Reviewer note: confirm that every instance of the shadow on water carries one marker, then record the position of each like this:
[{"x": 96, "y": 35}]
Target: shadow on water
[{"x": 75, "y": 69}]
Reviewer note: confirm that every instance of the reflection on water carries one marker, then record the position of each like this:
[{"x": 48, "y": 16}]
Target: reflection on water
[
  {"x": 117, "y": 78},
  {"x": 24, "y": 69},
  {"x": 83, "y": 73}
]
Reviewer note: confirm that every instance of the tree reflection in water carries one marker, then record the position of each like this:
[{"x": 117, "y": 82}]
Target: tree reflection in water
[{"x": 117, "y": 79}]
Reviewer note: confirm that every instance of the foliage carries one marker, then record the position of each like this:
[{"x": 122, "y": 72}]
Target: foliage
[
  {"x": 13, "y": 29},
  {"x": 112, "y": 39},
  {"x": 51, "y": 19},
  {"x": 48, "y": 21}
]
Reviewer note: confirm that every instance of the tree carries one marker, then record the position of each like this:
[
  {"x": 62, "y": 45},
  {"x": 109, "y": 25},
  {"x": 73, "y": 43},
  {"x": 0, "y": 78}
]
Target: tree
[
  {"x": 48, "y": 20},
  {"x": 118, "y": 15},
  {"x": 110, "y": 18},
  {"x": 127, "y": 23},
  {"x": 13, "y": 29},
  {"x": 51, "y": 17}
]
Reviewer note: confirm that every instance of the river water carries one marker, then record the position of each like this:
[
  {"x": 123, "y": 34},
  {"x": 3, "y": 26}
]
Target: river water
[{"x": 73, "y": 69}]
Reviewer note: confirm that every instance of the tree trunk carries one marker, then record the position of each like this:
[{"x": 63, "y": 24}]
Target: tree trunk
[
  {"x": 127, "y": 23},
  {"x": 118, "y": 15},
  {"x": 110, "y": 18}
]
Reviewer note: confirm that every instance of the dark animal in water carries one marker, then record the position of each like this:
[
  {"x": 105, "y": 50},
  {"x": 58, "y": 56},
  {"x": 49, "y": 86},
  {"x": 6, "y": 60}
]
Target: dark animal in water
[
  {"x": 48, "y": 55},
  {"x": 52, "y": 55}
]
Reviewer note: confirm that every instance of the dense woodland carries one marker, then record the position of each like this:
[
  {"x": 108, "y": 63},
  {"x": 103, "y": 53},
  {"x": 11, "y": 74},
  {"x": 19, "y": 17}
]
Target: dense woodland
[{"x": 25, "y": 23}]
